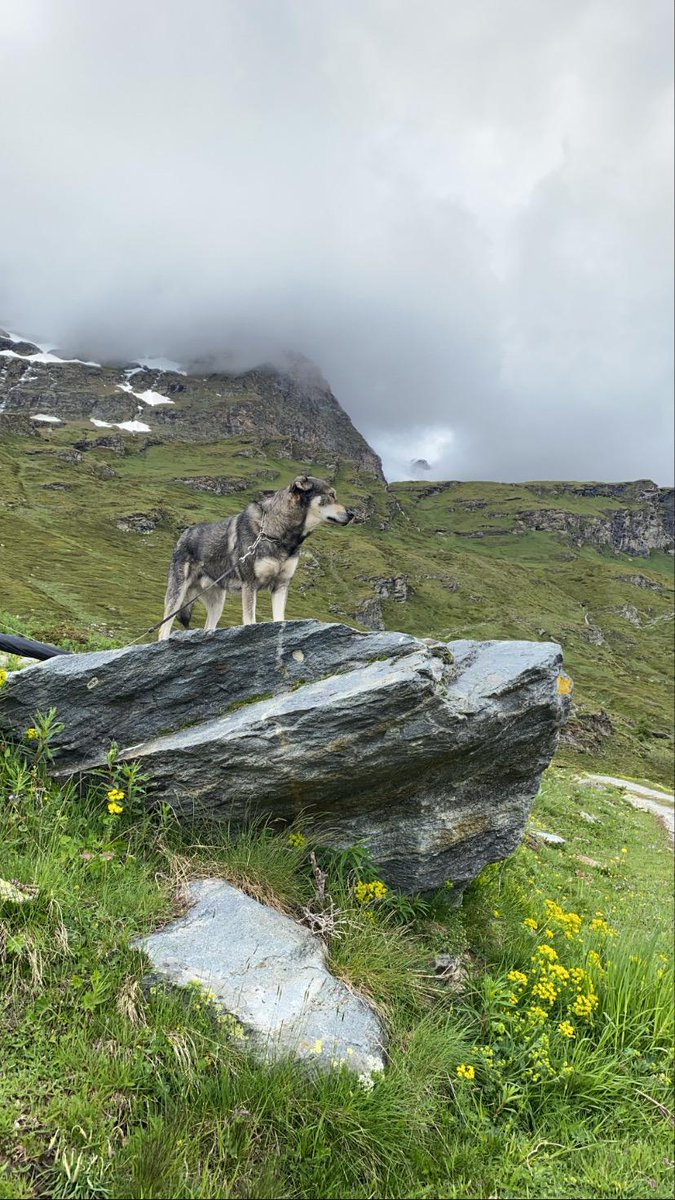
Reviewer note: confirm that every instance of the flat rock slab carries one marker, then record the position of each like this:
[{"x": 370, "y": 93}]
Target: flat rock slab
[
  {"x": 270, "y": 973},
  {"x": 429, "y": 754}
]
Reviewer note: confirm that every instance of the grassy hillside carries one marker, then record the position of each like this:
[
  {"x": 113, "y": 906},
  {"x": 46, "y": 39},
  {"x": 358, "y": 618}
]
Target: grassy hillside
[
  {"x": 548, "y": 1074},
  {"x": 74, "y": 564}
]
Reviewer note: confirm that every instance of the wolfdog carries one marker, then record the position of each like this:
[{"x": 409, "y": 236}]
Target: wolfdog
[{"x": 256, "y": 549}]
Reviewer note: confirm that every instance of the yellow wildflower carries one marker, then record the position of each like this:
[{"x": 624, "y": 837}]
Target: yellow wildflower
[
  {"x": 598, "y": 925},
  {"x": 466, "y": 1071},
  {"x": 115, "y": 794},
  {"x": 3, "y": 676},
  {"x": 537, "y": 1014},
  {"x": 545, "y": 990},
  {"x": 115, "y": 808},
  {"x": 585, "y": 1005},
  {"x": 32, "y": 734},
  {"x": 518, "y": 977},
  {"x": 496, "y": 914},
  {"x": 566, "y": 1029},
  {"x": 547, "y": 952},
  {"x": 549, "y": 933},
  {"x": 559, "y": 972},
  {"x": 624, "y": 850},
  {"x": 530, "y": 923},
  {"x": 365, "y": 892},
  {"x": 298, "y": 840}
]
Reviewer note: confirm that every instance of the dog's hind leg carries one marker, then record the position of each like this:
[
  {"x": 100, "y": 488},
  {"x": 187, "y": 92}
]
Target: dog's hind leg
[
  {"x": 249, "y": 596},
  {"x": 214, "y": 600}
]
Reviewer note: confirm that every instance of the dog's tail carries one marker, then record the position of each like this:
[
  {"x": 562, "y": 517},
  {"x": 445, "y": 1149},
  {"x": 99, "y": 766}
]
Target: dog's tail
[{"x": 185, "y": 614}]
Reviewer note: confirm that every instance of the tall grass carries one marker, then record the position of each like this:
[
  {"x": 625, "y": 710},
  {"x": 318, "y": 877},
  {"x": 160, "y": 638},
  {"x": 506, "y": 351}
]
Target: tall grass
[{"x": 111, "y": 1089}]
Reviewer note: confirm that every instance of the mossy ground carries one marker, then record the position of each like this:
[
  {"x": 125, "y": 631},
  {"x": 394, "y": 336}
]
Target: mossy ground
[
  {"x": 110, "y": 1091},
  {"x": 70, "y": 573}
]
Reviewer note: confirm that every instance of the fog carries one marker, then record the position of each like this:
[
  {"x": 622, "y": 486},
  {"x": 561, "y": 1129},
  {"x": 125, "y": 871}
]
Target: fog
[{"x": 460, "y": 210}]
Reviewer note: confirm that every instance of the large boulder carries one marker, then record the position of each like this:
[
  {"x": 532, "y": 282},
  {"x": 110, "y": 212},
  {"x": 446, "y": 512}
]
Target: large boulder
[{"x": 428, "y": 753}]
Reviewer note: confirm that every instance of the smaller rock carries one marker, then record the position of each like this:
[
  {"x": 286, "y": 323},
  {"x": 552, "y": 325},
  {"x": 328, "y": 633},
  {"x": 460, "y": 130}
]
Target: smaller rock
[
  {"x": 139, "y": 522},
  {"x": 630, "y": 613},
  {"x": 15, "y": 892},
  {"x": 550, "y": 839},
  {"x": 269, "y": 973},
  {"x": 451, "y": 969},
  {"x": 588, "y": 862},
  {"x": 589, "y": 818},
  {"x": 370, "y": 614}
]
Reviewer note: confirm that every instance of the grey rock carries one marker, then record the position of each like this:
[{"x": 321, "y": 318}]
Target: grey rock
[
  {"x": 550, "y": 839},
  {"x": 395, "y": 588},
  {"x": 630, "y": 613},
  {"x": 370, "y": 613},
  {"x": 270, "y": 973},
  {"x": 642, "y": 581},
  {"x": 589, "y": 818},
  {"x": 429, "y": 754},
  {"x": 140, "y": 692},
  {"x": 139, "y": 522},
  {"x": 452, "y": 970}
]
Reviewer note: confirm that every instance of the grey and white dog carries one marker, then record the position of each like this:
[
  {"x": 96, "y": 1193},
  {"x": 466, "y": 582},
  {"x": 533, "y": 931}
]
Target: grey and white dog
[{"x": 256, "y": 549}]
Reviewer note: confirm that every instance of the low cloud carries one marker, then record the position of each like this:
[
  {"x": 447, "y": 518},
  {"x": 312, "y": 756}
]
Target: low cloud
[{"x": 460, "y": 212}]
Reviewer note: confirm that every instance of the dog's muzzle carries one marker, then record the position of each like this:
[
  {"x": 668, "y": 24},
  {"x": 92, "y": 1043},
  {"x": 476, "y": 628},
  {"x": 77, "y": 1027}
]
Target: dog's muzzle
[{"x": 349, "y": 516}]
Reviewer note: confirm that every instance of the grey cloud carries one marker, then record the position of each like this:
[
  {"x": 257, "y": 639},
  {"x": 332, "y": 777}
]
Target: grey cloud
[{"x": 460, "y": 211}]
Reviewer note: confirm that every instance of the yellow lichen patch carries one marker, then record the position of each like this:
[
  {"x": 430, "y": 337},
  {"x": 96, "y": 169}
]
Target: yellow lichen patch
[{"x": 565, "y": 685}]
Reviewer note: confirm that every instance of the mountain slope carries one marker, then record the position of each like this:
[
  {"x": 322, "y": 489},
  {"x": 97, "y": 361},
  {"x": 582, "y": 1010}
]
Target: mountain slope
[{"x": 89, "y": 515}]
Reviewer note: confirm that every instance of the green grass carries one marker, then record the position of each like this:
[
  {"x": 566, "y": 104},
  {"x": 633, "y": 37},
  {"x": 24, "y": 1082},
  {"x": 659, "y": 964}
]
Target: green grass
[{"x": 108, "y": 1090}]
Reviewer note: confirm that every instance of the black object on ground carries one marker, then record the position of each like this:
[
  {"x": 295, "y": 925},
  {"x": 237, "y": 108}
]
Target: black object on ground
[{"x": 27, "y": 648}]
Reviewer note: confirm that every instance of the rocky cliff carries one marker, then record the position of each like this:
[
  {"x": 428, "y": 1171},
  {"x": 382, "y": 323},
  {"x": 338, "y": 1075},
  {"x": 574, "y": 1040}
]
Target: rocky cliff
[
  {"x": 632, "y": 518},
  {"x": 293, "y": 404}
]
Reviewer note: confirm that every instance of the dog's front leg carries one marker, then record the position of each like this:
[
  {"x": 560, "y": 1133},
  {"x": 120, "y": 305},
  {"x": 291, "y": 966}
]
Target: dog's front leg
[
  {"x": 279, "y": 598},
  {"x": 248, "y": 599}
]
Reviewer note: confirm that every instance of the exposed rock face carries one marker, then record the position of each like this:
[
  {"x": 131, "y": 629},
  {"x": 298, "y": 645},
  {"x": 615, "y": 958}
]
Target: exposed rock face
[
  {"x": 139, "y": 522},
  {"x": 222, "y": 485},
  {"x": 293, "y": 402},
  {"x": 429, "y": 754},
  {"x": 642, "y": 581},
  {"x": 270, "y": 973},
  {"x": 397, "y": 588},
  {"x": 587, "y": 731},
  {"x": 630, "y": 531},
  {"x": 370, "y": 613}
]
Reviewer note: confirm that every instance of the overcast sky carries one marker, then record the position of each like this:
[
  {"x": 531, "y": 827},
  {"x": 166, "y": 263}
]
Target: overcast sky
[{"x": 459, "y": 209}]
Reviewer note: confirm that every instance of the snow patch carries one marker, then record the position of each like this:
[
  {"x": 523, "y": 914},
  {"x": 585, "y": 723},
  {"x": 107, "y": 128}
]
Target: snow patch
[
  {"x": 44, "y": 417},
  {"x": 44, "y": 357},
  {"x": 131, "y": 426},
  {"x": 148, "y": 397},
  {"x": 134, "y": 426}
]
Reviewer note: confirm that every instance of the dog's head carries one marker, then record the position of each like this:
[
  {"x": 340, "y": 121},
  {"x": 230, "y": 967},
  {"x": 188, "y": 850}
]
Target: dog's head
[{"x": 320, "y": 502}]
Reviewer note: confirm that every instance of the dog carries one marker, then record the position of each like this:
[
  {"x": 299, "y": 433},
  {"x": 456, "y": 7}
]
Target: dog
[{"x": 255, "y": 549}]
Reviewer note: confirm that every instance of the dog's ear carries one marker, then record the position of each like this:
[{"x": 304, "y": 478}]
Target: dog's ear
[{"x": 303, "y": 483}]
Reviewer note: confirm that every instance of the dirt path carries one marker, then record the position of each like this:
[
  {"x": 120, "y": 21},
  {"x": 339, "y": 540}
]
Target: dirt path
[{"x": 662, "y": 804}]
